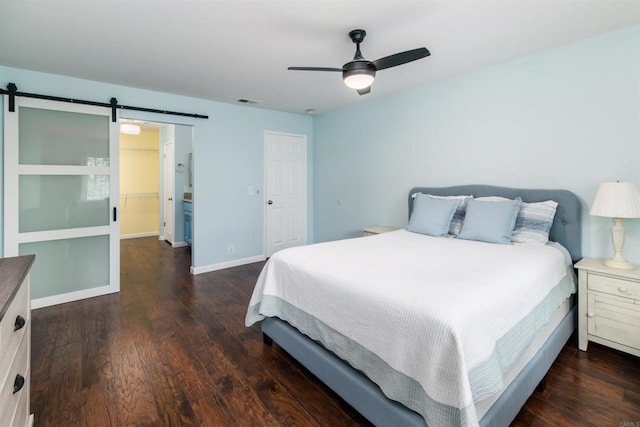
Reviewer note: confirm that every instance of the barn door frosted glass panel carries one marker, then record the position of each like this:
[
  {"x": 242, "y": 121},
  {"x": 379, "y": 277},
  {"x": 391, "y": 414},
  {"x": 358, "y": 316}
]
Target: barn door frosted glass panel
[
  {"x": 53, "y": 202},
  {"x": 87, "y": 260},
  {"x": 50, "y": 137}
]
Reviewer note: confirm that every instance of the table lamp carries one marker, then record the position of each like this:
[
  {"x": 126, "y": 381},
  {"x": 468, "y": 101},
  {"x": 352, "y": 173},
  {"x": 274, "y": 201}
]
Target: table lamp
[{"x": 617, "y": 200}]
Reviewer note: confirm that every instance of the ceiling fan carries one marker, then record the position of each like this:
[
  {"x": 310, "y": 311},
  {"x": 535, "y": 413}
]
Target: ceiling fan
[{"x": 359, "y": 73}]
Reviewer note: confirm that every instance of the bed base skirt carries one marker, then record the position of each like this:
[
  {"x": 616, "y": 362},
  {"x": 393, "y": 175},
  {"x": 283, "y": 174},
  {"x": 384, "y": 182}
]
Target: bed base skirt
[{"x": 367, "y": 398}]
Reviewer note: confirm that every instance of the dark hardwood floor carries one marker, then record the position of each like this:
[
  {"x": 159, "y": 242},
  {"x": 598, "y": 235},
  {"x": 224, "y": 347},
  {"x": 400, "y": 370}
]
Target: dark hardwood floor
[{"x": 172, "y": 349}]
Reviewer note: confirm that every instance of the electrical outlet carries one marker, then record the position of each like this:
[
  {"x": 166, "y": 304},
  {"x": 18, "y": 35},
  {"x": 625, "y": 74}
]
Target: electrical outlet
[{"x": 231, "y": 249}]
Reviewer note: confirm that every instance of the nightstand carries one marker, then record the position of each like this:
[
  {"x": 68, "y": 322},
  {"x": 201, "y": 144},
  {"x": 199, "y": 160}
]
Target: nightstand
[
  {"x": 608, "y": 306},
  {"x": 377, "y": 229}
]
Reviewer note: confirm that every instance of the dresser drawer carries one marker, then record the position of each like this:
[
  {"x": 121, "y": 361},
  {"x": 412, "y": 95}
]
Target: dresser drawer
[
  {"x": 18, "y": 416},
  {"x": 17, "y": 313},
  {"x": 613, "y": 286},
  {"x": 9, "y": 401},
  {"x": 614, "y": 319},
  {"x": 21, "y": 417}
]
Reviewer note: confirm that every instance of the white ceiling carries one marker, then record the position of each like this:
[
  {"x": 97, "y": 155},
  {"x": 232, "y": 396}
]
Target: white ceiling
[{"x": 226, "y": 50}]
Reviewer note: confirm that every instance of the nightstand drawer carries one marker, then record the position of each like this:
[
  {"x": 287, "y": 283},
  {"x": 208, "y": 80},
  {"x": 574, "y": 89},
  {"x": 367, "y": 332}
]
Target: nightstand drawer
[
  {"x": 610, "y": 285},
  {"x": 614, "y": 319}
]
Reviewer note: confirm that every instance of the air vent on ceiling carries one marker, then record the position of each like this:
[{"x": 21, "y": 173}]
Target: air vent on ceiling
[{"x": 248, "y": 101}]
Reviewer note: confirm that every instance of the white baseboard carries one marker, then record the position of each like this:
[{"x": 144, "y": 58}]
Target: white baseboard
[
  {"x": 227, "y": 264},
  {"x": 138, "y": 235},
  {"x": 174, "y": 244},
  {"x": 70, "y": 296}
]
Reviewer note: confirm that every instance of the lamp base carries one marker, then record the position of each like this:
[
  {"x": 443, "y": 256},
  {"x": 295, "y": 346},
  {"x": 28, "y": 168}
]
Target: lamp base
[{"x": 621, "y": 265}]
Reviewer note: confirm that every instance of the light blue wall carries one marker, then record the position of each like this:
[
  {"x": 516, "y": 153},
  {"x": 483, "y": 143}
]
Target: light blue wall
[
  {"x": 563, "y": 118},
  {"x": 228, "y": 156}
]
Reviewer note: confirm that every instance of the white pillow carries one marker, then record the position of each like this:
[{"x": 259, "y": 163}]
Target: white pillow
[{"x": 492, "y": 199}]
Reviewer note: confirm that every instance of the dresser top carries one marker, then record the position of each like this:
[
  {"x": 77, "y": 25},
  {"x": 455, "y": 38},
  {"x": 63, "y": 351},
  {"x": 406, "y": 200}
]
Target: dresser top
[{"x": 12, "y": 273}]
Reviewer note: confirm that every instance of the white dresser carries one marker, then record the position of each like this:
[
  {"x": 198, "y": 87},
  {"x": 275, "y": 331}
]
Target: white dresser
[
  {"x": 15, "y": 341},
  {"x": 608, "y": 306}
]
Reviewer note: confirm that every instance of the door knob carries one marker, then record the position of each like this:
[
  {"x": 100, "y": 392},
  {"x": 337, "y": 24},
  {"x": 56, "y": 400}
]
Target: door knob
[{"x": 270, "y": 202}]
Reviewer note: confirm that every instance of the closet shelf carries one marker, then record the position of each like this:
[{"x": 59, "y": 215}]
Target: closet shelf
[
  {"x": 138, "y": 149},
  {"x": 128, "y": 196},
  {"x": 138, "y": 195}
]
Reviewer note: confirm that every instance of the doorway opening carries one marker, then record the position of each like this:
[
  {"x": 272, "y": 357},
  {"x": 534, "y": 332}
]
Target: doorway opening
[{"x": 156, "y": 181}]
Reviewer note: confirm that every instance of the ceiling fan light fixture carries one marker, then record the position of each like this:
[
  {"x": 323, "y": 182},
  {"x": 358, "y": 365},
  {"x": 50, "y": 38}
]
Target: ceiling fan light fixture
[
  {"x": 358, "y": 81},
  {"x": 358, "y": 74}
]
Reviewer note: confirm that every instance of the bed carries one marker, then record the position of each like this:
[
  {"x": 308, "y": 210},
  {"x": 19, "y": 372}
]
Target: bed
[{"x": 457, "y": 385}]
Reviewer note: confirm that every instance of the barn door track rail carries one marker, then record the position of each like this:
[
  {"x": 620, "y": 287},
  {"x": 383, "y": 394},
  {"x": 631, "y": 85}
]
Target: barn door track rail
[{"x": 12, "y": 91}]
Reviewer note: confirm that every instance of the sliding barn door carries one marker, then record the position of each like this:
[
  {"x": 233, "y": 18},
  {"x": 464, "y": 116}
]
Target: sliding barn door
[{"x": 61, "y": 197}]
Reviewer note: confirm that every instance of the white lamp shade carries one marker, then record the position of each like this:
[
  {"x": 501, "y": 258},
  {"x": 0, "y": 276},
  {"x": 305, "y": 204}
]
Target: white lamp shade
[{"x": 617, "y": 200}]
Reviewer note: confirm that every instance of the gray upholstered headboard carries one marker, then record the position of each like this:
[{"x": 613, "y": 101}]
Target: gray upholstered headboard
[{"x": 566, "y": 228}]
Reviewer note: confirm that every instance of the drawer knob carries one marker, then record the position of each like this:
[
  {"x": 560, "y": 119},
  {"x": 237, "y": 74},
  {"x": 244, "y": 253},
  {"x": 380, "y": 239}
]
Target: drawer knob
[
  {"x": 18, "y": 383},
  {"x": 20, "y": 322},
  {"x": 589, "y": 315},
  {"x": 622, "y": 289}
]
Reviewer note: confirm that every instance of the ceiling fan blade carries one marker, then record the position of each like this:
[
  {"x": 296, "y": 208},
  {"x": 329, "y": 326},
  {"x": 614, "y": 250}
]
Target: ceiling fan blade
[
  {"x": 314, "y": 69},
  {"x": 364, "y": 91},
  {"x": 400, "y": 58}
]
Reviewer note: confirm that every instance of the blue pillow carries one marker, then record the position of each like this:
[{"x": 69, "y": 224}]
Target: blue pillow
[
  {"x": 432, "y": 216},
  {"x": 489, "y": 221},
  {"x": 458, "y": 215}
]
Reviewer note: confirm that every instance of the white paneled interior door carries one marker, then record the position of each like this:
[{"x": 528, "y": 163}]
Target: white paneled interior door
[
  {"x": 61, "y": 195},
  {"x": 285, "y": 191}
]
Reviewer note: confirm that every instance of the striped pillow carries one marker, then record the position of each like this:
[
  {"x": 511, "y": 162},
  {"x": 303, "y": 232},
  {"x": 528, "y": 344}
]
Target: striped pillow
[{"x": 534, "y": 222}]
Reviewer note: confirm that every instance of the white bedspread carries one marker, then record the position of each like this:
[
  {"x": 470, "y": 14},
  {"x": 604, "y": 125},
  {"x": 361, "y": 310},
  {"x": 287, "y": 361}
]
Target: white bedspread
[{"x": 435, "y": 322}]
